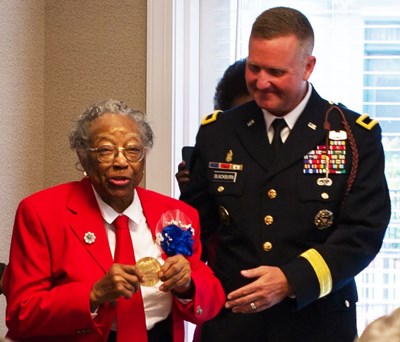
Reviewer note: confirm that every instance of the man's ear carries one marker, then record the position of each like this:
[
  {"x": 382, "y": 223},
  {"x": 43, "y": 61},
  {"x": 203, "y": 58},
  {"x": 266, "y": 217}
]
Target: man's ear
[{"x": 310, "y": 64}]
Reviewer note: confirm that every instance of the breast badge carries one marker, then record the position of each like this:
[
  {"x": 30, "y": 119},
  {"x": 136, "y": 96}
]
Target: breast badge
[
  {"x": 323, "y": 219},
  {"x": 229, "y": 156}
]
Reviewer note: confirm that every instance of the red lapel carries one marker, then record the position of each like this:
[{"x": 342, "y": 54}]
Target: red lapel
[{"x": 84, "y": 216}]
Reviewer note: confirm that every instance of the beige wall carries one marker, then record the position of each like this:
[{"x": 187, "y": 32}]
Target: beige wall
[{"x": 57, "y": 57}]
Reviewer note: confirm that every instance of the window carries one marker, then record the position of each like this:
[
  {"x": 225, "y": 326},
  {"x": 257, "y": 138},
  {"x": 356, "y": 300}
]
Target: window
[{"x": 377, "y": 284}]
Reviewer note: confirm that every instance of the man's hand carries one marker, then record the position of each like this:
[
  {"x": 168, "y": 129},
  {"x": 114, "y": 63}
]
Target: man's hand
[{"x": 270, "y": 287}]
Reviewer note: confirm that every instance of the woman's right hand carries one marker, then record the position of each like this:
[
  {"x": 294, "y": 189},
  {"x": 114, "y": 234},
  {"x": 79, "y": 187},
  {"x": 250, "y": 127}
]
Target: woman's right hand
[{"x": 120, "y": 281}]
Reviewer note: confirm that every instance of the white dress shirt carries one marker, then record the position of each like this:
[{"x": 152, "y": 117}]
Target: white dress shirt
[
  {"x": 157, "y": 304},
  {"x": 290, "y": 117}
]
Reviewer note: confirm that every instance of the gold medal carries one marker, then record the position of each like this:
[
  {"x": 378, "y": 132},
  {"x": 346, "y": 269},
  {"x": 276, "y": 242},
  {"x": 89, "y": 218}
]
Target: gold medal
[{"x": 149, "y": 267}]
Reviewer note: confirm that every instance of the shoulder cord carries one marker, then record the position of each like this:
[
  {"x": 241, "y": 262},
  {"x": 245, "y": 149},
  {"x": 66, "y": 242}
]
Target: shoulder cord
[{"x": 353, "y": 146}]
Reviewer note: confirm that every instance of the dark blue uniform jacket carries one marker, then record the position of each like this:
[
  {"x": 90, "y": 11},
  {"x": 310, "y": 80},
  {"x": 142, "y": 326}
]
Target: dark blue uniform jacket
[{"x": 269, "y": 211}]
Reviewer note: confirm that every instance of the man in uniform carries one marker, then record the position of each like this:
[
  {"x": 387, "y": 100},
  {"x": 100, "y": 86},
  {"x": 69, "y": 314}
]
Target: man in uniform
[{"x": 300, "y": 205}]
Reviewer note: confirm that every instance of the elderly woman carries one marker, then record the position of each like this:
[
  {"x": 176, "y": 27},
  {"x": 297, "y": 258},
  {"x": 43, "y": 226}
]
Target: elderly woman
[{"x": 73, "y": 275}]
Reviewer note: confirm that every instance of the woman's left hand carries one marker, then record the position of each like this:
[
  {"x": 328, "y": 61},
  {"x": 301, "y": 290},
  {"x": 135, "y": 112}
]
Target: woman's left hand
[{"x": 176, "y": 275}]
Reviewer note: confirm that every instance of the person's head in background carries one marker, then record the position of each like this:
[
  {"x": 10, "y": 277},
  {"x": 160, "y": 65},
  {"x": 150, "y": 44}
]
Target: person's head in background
[
  {"x": 231, "y": 90},
  {"x": 383, "y": 329},
  {"x": 280, "y": 59}
]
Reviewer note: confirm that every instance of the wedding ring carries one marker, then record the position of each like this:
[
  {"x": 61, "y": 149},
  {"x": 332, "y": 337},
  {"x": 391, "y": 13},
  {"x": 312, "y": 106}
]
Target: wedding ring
[{"x": 253, "y": 306}]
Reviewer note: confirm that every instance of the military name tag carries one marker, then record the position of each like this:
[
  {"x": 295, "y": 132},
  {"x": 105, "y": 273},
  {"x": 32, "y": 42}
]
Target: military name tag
[{"x": 224, "y": 176}]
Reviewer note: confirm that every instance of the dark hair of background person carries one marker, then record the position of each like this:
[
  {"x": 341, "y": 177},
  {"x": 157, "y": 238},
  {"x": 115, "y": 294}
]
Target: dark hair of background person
[
  {"x": 231, "y": 91},
  {"x": 231, "y": 87}
]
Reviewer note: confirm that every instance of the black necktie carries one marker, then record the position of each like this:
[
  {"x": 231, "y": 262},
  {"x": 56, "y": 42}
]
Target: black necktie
[{"x": 278, "y": 125}]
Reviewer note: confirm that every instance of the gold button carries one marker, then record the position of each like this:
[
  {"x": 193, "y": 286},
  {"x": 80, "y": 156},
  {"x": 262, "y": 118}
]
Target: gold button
[
  {"x": 220, "y": 188},
  {"x": 272, "y": 193},
  {"x": 325, "y": 195},
  {"x": 267, "y": 246},
  {"x": 268, "y": 220}
]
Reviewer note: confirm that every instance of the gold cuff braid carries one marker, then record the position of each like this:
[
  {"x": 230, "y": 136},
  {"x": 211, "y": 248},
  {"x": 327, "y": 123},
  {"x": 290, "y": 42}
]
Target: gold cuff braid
[{"x": 321, "y": 270}]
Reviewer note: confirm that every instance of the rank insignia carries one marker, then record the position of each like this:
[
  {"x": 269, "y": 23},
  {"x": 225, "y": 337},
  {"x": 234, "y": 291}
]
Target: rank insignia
[
  {"x": 323, "y": 219},
  {"x": 210, "y": 118},
  {"x": 366, "y": 122}
]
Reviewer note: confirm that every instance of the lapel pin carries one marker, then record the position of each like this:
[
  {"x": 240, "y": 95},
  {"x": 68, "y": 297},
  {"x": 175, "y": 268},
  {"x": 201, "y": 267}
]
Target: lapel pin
[
  {"x": 250, "y": 123},
  {"x": 89, "y": 238},
  {"x": 312, "y": 126}
]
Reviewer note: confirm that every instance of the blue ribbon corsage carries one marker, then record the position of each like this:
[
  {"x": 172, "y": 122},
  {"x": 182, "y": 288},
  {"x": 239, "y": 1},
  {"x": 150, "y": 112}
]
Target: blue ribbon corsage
[{"x": 176, "y": 237}]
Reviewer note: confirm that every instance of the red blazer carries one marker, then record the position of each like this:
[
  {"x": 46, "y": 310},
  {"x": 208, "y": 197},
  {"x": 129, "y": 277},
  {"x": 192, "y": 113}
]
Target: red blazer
[{"x": 52, "y": 270}]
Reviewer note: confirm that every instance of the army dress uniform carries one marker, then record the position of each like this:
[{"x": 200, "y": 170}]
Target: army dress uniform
[{"x": 321, "y": 228}]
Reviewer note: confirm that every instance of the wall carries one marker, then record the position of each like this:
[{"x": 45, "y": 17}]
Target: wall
[
  {"x": 56, "y": 58},
  {"x": 22, "y": 111},
  {"x": 94, "y": 50}
]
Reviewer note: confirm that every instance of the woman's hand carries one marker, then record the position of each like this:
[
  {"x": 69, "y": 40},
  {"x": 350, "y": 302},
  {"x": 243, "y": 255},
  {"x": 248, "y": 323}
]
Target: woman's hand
[
  {"x": 176, "y": 276},
  {"x": 120, "y": 281}
]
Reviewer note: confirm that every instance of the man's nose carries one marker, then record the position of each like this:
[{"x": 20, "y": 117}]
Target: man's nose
[{"x": 263, "y": 81}]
